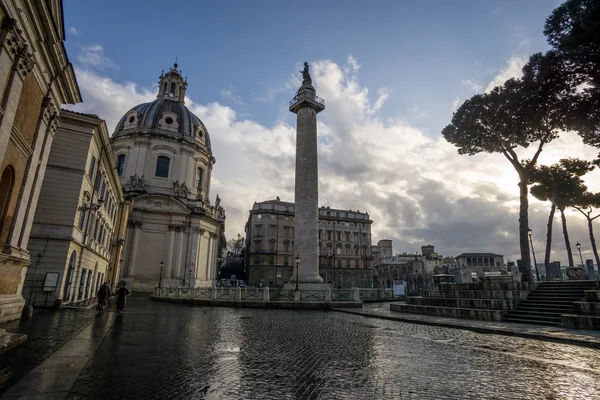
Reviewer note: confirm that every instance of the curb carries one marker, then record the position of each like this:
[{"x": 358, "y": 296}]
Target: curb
[{"x": 545, "y": 338}]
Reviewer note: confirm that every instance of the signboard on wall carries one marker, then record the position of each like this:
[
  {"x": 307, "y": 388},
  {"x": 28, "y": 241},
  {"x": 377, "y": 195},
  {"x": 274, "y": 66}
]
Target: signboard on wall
[
  {"x": 399, "y": 288},
  {"x": 51, "y": 281}
]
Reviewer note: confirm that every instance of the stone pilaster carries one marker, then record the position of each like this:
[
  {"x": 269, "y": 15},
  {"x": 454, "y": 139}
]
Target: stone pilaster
[
  {"x": 135, "y": 225},
  {"x": 16, "y": 61},
  {"x": 169, "y": 256}
]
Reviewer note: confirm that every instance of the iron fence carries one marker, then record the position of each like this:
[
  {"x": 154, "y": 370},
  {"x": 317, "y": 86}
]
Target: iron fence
[
  {"x": 225, "y": 293},
  {"x": 312, "y": 295},
  {"x": 369, "y": 294},
  {"x": 202, "y": 293},
  {"x": 342, "y": 295},
  {"x": 252, "y": 294},
  {"x": 281, "y": 295}
]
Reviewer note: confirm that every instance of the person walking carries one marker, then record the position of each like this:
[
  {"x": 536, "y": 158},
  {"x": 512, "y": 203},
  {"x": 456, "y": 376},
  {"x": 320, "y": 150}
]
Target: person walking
[
  {"x": 103, "y": 296},
  {"x": 122, "y": 293}
]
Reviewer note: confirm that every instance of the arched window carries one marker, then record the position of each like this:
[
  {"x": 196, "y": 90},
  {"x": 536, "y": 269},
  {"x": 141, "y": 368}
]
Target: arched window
[
  {"x": 162, "y": 167},
  {"x": 92, "y": 166},
  {"x": 121, "y": 164},
  {"x": 6, "y": 187},
  {"x": 165, "y": 89},
  {"x": 172, "y": 91},
  {"x": 199, "y": 177}
]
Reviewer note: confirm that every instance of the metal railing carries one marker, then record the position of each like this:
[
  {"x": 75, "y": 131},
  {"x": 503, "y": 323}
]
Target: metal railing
[
  {"x": 307, "y": 96},
  {"x": 202, "y": 293},
  {"x": 369, "y": 294},
  {"x": 252, "y": 294},
  {"x": 312, "y": 295},
  {"x": 342, "y": 295},
  {"x": 224, "y": 294},
  {"x": 281, "y": 295}
]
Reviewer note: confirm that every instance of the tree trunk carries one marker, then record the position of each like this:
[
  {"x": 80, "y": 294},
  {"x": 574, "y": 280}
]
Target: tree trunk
[
  {"x": 549, "y": 237},
  {"x": 524, "y": 227},
  {"x": 593, "y": 241},
  {"x": 566, "y": 235}
]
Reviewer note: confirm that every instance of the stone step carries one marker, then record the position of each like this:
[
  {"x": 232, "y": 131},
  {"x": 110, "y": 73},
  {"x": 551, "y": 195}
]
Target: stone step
[
  {"x": 577, "y": 321},
  {"x": 534, "y": 296},
  {"x": 478, "y": 294},
  {"x": 486, "y": 304},
  {"x": 544, "y": 308},
  {"x": 537, "y": 313},
  {"x": 529, "y": 320},
  {"x": 494, "y": 315}
]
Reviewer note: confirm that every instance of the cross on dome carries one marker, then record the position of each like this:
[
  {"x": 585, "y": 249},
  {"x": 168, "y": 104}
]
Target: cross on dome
[{"x": 172, "y": 86}]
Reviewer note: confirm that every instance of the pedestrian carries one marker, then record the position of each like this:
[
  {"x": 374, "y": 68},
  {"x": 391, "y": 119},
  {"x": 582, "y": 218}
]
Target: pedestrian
[
  {"x": 103, "y": 295},
  {"x": 122, "y": 292}
]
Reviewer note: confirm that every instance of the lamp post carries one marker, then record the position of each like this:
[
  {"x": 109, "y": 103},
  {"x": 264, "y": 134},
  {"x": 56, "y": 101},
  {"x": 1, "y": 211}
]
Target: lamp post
[
  {"x": 297, "y": 271},
  {"x": 580, "y": 257},
  {"x": 162, "y": 265},
  {"x": 190, "y": 278},
  {"x": 533, "y": 251}
]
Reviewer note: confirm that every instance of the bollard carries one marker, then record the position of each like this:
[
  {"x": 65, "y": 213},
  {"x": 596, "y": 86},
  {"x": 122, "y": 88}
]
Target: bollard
[
  {"x": 379, "y": 293},
  {"x": 213, "y": 292},
  {"x": 266, "y": 293},
  {"x": 238, "y": 293},
  {"x": 296, "y": 295},
  {"x": 356, "y": 294},
  {"x": 327, "y": 293}
]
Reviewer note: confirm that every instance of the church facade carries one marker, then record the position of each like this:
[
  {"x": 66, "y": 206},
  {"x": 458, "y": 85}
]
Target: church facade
[{"x": 164, "y": 160}]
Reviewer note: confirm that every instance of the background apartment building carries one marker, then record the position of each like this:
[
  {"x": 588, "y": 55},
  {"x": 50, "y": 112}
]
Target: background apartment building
[{"x": 345, "y": 258}]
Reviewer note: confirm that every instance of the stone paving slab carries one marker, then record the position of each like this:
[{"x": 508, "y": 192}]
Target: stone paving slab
[
  {"x": 55, "y": 376},
  {"x": 46, "y": 332},
  {"x": 585, "y": 338}
]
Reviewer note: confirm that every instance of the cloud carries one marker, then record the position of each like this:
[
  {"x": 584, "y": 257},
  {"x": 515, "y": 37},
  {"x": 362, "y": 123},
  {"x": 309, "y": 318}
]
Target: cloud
[
  {"x": 455, "y": 104},
  {"x": 74, "y": 31},
  {"x": 352, "y": 61},
  {"x": 93, "y": 56},
  {"x": 472, "y": 85},
  {"x": 417, "y": 189},
  {"x": 512, "y": 69}
]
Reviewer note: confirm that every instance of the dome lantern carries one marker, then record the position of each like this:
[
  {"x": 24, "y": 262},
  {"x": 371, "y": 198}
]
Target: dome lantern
[{"x": 172, "y": 86}]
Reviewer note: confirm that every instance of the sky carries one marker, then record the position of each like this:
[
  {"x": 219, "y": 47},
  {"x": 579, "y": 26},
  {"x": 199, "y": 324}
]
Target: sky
[{"x": 391, "y": 74}]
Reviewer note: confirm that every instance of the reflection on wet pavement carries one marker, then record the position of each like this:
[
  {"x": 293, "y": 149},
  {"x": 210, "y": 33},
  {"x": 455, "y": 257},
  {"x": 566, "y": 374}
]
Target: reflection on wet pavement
[{"x": 161, "y": 350}]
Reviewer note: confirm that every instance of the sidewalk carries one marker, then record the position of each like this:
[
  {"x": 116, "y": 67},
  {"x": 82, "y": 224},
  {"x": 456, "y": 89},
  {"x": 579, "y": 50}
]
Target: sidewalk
[
  {"x": 46, "y": 332},
  {"x": 585, "y": 338}
]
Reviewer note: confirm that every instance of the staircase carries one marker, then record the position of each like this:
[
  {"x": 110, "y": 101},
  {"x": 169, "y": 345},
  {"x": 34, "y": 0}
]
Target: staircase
[{"x": 546, "y": 304}]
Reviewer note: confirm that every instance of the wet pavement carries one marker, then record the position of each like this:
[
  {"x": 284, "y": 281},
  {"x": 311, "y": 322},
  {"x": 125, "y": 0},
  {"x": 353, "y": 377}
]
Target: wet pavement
[
  {"x": 588, "y": 338},
  {"x": 172, "y": 351},
  {"x": 46, "y": 333}
]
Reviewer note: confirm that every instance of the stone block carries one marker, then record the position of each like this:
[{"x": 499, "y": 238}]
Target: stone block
[
  {"x": 577, "y": 274},
  {"x": 588, "y": 308},
  {"x": 592, "y": 295},
  {"x": 576, "y": 321}
]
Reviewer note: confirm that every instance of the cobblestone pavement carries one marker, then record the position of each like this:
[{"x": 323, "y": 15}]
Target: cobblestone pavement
[
  {"x": 170, "y": 351},
  {"x": 46, "y": 332}
]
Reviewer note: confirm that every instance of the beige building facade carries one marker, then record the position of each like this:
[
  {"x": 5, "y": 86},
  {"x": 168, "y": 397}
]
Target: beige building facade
[
  {"x": 36, "y": 77},
  {"x": 345, "y": 258},
  {"x": 74, "y": 235},
  {"x": 164, "y": 160}
]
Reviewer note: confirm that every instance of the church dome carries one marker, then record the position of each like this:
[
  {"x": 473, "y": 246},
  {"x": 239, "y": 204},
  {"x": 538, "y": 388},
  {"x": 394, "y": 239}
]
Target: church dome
[{"x": 167, "y": 114}]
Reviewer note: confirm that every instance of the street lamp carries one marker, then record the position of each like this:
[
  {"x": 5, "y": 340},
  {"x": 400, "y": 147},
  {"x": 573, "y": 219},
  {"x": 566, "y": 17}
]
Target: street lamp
[
  {"x": 533, "y": 251},
  {"x": 297, "y": 271},
  {"x": 190, "y": 278},
  {"x": 162, "y": 265},
  {"x": 580, "y": 257}
]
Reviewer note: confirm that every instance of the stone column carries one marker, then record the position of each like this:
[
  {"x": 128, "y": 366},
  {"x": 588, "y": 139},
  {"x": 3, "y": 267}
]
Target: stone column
[
  {"x": 306, "y": 105},
  {"x": 134, "y": 248},
  {"x": 169, "y": 256}
]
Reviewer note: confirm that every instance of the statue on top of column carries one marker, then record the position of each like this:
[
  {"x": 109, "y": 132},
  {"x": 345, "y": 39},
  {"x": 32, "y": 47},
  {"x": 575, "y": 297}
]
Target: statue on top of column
[{"x": 306, "y": 79}]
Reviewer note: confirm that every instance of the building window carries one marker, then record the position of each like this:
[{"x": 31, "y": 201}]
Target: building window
[
  {"x": 329, "y": 235},
  {"x": 339, "y": 236},
  {"x": 70, "y": 273},
  {"x": 6, "y": 187},
  {"x": 81, "y": 283},
  {"x": 87, "y": 285},
  {"x": 272, "y": 216},
  {"x": 348, "y": 251},
  {"x": 199, "y": 176},
  {"x": 347, "y": 236},
  {"x": 259, "y": 216},
  {"x": 172, "y": 91},
  {"x": 162, "y": 167},
  {"x": 92, "y": 167},
  {"x": 356, "y": 237},
  {"x": 120, "y": 164},
  {"x": 356, "y": 251},
  {"x": 286, "y": 246},
  {"x": 339, "y": 250}
]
